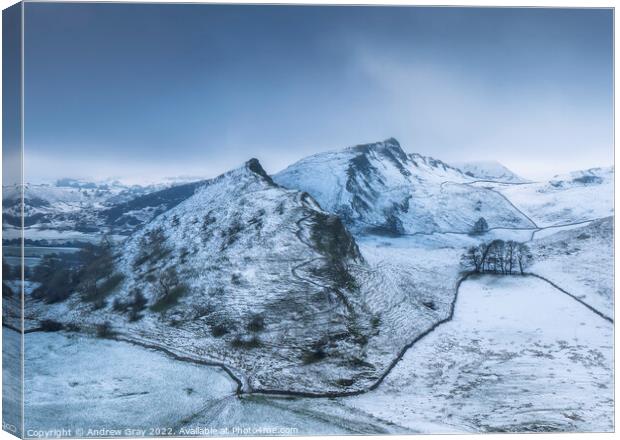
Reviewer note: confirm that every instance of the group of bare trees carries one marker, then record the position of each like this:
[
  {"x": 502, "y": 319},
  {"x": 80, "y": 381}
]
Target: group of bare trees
[{"x": 498, "y": 256}]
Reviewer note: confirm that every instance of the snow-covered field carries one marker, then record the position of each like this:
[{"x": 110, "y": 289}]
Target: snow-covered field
[
  {"x": 109, "y": 385},
  {"x": 518, "y": 356},
  {"x": 499, "y": 365},
  {"x": 102, "y": 383}
]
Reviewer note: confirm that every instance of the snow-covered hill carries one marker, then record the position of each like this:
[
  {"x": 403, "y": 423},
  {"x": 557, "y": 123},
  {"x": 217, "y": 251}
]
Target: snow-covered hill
[
  {"x": 570, "y": 198},
  {"x": 581, "y": 261},
  {"x": 379, "y": 188},
  {"x": 268, "y": 274},
  {"x": 249, "y": 274},
  {"x": 489, "y": 170}
]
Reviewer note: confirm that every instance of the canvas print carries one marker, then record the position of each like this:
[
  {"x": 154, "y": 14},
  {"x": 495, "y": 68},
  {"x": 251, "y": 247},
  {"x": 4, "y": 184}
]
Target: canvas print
[{"x": 280, "y": 220}]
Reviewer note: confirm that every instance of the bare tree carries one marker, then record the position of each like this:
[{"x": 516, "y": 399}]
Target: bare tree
[
  {"x": 511, "y": 247},
  {"x": 473, "y": 259},
  {"x": 167, "y": 282},
  {"x": 137, "y": 305},
  {"x": 485, "y": 250},
  {"x": 496, "y": 254},
  {"x": 524, "y": 257}
]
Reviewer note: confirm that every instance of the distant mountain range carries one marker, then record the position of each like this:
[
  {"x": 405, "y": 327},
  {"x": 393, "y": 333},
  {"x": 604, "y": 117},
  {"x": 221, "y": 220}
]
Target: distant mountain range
[
  {"x": 88, "y": 207},
  {"x": 375, "y": 188}
]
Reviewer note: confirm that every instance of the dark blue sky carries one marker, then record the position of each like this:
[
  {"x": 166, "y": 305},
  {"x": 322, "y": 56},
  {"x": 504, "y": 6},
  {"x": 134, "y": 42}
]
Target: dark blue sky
[{"x": 133, "y": 91}]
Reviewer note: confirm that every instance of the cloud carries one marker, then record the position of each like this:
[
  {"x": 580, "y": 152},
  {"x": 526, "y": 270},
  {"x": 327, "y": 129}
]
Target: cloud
[{"x": 458, "y": 114}]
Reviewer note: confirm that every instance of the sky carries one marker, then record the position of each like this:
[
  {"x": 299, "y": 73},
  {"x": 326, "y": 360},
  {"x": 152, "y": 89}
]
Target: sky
[{"x": 141, "y": 92}]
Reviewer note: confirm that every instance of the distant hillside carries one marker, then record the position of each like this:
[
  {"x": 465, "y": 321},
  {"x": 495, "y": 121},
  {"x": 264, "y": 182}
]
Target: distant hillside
[
  {"x": 489, "y": 170},
  {"x": 574, "y": 197}
]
